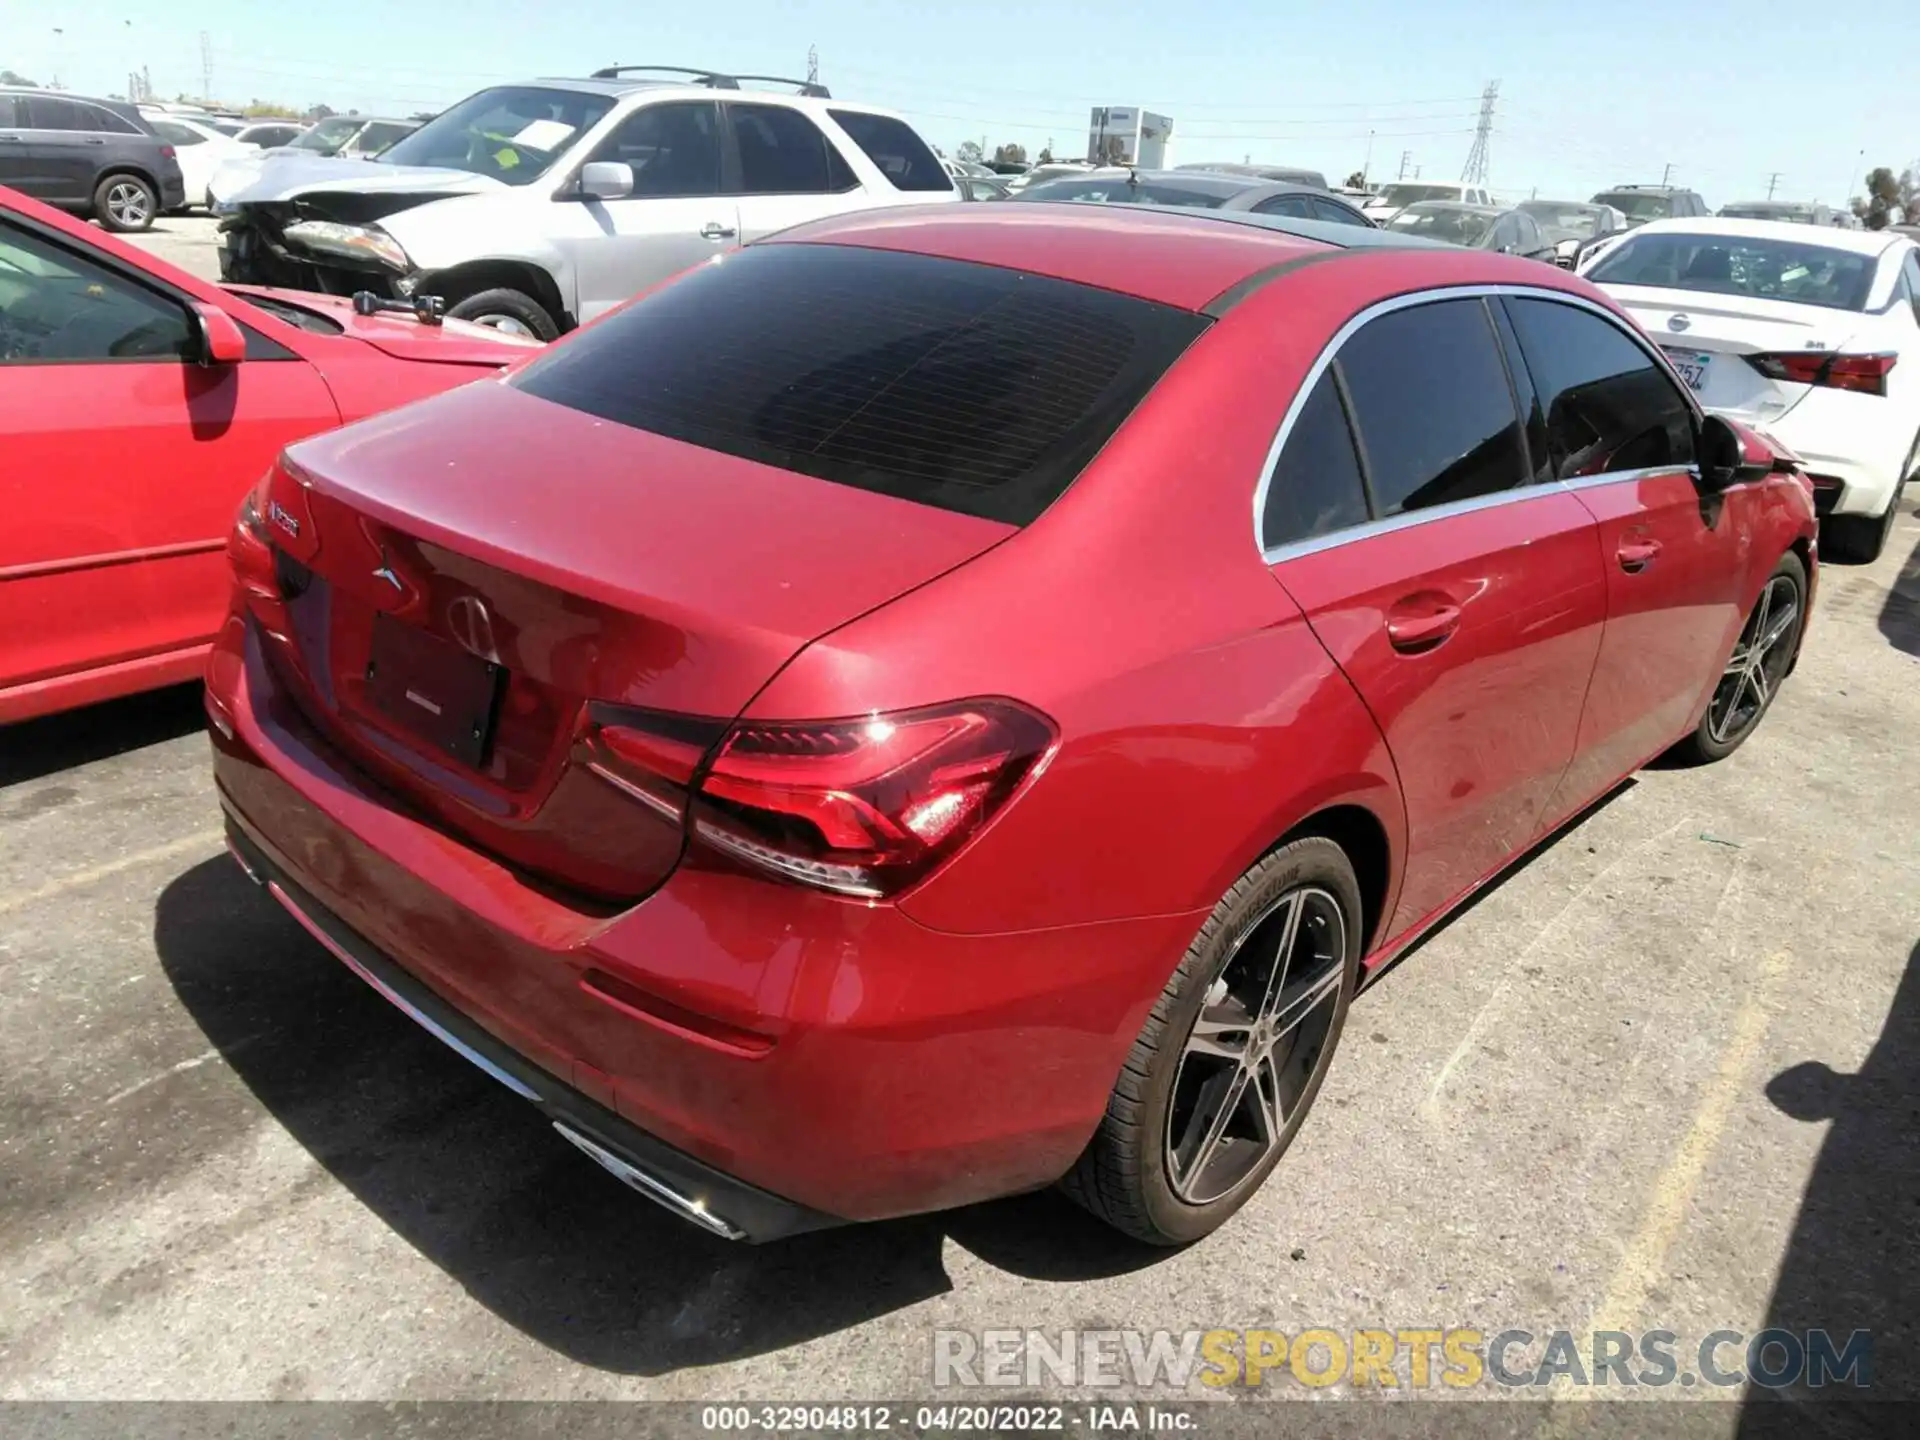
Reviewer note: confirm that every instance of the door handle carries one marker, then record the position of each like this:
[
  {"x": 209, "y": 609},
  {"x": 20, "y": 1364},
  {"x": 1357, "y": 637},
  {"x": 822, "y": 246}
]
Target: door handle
[
  {"x": 93, "y": 140},
  {"x": 1419, "y": 623},
  {"x": 1636, "y": 555},
  {"x": 714, "y": 230}
]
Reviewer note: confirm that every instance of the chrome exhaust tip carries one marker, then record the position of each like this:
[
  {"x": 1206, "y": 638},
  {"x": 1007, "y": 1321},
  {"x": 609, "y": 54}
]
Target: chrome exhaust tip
[{"x": 651, "y": 1186}]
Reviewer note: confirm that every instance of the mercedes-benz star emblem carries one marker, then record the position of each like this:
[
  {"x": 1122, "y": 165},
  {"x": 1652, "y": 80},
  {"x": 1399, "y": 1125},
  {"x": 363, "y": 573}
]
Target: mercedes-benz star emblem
[
  {"x": 1678, "y": 322},
  {"x": 385, "y": 572}
]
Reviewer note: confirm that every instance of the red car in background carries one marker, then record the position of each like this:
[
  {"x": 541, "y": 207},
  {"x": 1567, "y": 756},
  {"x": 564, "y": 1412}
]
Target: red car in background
[
  {"x": 137, "y": 404},
  {"x": 932, "y": 706}
]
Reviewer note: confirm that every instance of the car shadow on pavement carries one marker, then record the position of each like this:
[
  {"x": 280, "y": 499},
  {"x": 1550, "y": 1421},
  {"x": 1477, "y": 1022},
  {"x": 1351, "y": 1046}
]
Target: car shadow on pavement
[
  {"x": 1853, "y": 1262},
  {"x": 1900, "y": 615},
  {"x": 476, "y": 1182},
  {"x": 37, "y": 748}
]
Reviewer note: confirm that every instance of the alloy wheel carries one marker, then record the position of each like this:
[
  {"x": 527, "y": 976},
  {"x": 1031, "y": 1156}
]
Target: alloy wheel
[
  {"x": 1759, "y": 662},
  {"x": 506, "y": 324},
  {"x": 127, "y": 203},
  {"x": 1257, "y": 1047}
]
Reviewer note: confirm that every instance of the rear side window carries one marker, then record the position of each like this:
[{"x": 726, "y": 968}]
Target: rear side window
[
  {"x": 1432, "y": 404},
  {"x": 1316, "y": 487},
  {"x": 898, "y": 153},
  {"x": 1339, "y": 215},
  {"x": 1608, "y": 405},
  {"x": 48, "y": 112},
  {"x": 782, "y": 152},
  {"x": 1295, "y": 205},
  {"x": 968, "y": 387},
  {"x": 9, "y": 112}
]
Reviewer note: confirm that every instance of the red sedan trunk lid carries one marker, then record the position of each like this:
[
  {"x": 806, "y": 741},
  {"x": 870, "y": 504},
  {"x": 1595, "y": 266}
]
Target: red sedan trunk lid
[{"x": 588, "y": 561}]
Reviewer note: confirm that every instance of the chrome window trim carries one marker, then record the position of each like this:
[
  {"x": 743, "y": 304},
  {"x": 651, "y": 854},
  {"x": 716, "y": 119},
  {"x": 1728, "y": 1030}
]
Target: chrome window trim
[{"x": 1408, "y": 518}]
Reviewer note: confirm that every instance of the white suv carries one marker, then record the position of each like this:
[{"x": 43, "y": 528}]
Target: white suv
[
  {"x": 1391, "y": 199},
  {"x": 535, "y": 207}
]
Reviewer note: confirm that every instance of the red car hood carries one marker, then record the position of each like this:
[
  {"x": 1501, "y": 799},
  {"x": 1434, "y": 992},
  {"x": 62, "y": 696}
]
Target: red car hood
[{"x": 453, "y": 342}]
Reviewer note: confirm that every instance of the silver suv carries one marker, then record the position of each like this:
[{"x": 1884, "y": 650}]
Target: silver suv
[{"x": 535, "y": 207}]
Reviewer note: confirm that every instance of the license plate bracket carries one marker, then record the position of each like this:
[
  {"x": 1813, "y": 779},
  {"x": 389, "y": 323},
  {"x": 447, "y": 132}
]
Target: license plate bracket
[{"x": 434, "y": 690}]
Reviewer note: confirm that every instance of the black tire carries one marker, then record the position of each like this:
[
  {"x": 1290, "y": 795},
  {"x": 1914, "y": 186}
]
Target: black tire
[
  {"x": 1736, "y": 708},
  {"x": 507, "y": 310},
  {"x": 125, "y": 203},
  {"x": 1129, "y": 1175}
]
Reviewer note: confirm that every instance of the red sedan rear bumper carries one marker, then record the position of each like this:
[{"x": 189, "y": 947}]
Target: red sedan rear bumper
[{"x": 785, "y": 1056}]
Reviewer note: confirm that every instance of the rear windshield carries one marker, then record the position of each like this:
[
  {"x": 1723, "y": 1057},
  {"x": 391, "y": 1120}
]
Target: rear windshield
[
  {"x": 1580, "y": 220},
  {"x": 1456, "y": 227},
  {"x": 1637, "y": 204},
  {"x": 968, "y": 387},
  {"x": 1414, "y": 194},
  {"x": 1805, "y": 274}
]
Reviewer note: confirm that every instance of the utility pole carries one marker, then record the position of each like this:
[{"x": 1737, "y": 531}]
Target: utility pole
[
  {"x": 1772, "y": 180},
  {"x": 206, "y": 66},
  {"x": 1666, "y": 175},
  {"x": 1475, "y": 172},
  {"x": 1367, "y": 164},
  {"x": 813, "y": 64},
  {"x": 1405, "y": 156}
]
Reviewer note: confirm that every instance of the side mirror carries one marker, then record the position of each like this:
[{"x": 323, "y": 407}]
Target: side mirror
[
  {"x": 222, "y": 341},
  {"x": 1728, "y": 455},
  {"x": 605, "y": 180}
]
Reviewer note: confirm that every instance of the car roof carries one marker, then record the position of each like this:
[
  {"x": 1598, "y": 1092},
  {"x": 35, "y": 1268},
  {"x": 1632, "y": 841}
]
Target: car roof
[
  {"x": 1866, "y": 242},
  {"x": 1197, "y": 182},
  {"x": 1560, "y": 205},
  {"x": 618, "y": 87},
  {"x": 1464, "y": 207},
  {"x": 1174, "y": 255}
]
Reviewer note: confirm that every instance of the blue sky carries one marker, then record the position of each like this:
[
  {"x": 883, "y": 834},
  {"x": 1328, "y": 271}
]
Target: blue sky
[{"x": 1727, "y": 91}]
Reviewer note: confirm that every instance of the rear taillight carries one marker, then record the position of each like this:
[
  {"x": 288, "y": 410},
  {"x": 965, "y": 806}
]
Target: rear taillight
[
  {"x": 249, "y": 547},
  {"x": 860, "y": 807},
  {"x": 167, "y": 152},
  {"x": 1866, "y": 374}
]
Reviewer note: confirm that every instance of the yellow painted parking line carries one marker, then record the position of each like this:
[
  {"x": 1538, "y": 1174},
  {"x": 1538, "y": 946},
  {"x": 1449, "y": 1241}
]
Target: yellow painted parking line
[
  {"x": 1644, "y": 1265},
  {"x": 185, "y": 845},
  {"x": 1432, "y": 1107}
]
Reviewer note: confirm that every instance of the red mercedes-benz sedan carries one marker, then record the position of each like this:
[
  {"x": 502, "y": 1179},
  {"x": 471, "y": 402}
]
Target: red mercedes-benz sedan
[
  {"x": 932, "y": 706},
  {"x": 137, "y": 405}
]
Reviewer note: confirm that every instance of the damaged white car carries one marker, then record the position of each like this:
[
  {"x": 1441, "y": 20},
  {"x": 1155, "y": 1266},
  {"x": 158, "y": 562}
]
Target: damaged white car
[{"x": 535, "y": 207}]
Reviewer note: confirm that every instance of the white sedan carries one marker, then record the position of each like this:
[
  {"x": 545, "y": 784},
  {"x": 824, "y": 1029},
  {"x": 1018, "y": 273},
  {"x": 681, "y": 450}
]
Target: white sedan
[
  {"x": 1810, "y": 335},
  {"x": 201, "y": 150}
]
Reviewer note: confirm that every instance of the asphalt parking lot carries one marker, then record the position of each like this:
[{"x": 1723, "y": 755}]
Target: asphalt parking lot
[{"x": 1667, "y": 1075}]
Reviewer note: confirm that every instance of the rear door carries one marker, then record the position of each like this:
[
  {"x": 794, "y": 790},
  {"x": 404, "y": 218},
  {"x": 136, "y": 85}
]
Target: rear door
[
  {"x": 675, "y": 217},
  {"x": 784, "y": 170},
  {"x": 124, "y": 461},
  {"x": 68, "y": 142},
  {"x": 1467, "y": 603},
  {"x": 1620, "y": 433}
]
